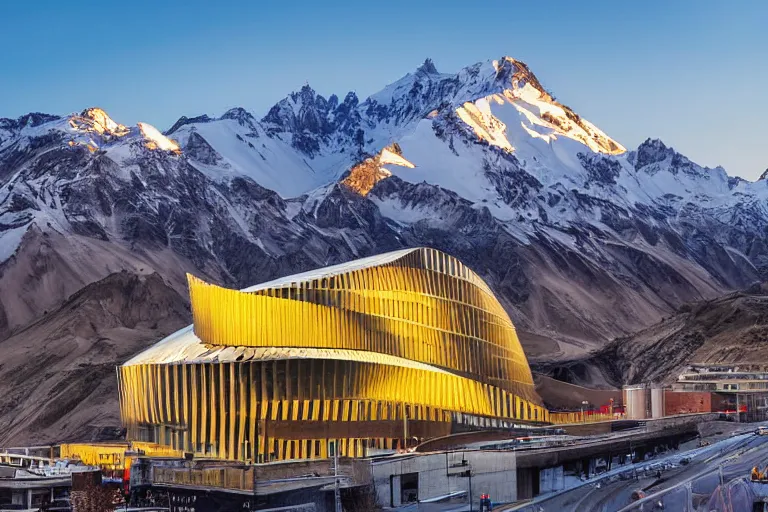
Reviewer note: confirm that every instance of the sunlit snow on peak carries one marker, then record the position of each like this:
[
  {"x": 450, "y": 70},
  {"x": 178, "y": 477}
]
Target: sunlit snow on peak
[
  {"x": 393, "y": 155},
  {"x": 96, "y": 120},
  {"x": 486, "y": 126},
  {"x": 156, "y": 140},
  {"x": 103, "y": 123},
  {"x": 539, "y": 108},
  {"x": 363, "y": 176}
]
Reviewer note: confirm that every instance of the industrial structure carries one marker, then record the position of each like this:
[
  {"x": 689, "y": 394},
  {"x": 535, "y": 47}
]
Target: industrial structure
[
  {"x": 736, "y": 389},
  {"x": 375, "y": 354},
  {"x": 740, "y": 388}
]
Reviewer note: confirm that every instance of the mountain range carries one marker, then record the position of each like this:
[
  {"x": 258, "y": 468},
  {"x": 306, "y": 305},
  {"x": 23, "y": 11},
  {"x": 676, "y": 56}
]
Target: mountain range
[{"x": 582, "y": 239}]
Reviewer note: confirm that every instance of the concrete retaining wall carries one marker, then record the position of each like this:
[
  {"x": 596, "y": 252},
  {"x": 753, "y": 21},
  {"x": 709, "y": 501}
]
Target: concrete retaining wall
[{"x": 443, "y": 474}]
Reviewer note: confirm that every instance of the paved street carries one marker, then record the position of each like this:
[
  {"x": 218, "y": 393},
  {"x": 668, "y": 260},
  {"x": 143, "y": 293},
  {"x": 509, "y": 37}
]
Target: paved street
[{"x": 681, "y": 486}]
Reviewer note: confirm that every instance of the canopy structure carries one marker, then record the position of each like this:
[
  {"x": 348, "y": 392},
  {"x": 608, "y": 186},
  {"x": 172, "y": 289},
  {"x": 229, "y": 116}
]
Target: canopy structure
[{"x": 342, "y": 354}]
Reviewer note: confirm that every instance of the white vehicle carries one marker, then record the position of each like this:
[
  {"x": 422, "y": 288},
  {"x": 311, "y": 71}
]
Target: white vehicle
[{"x": 762, "y": 431}]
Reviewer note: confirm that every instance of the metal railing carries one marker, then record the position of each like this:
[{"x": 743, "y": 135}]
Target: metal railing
[{"x": 232, "y": 478}]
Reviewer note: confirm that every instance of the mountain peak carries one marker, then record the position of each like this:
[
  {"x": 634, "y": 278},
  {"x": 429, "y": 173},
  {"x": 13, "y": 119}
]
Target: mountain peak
[
  {"x": 516, "y": 73},
  {"x": 31, "y": 119},
  {"x": 242, "y": 116},
  {"x": 649, "y": 152},
  {"x": 427, "y": 68},
  {"x": 205, "y": 118},
  {"x": 97, "y": 120},
  {"x": 96, "y": 128},
  {"x": 764, "y": 175},
  {"x": 505, "y": 67},
  {"x": 307, "y": 89},
  {"x": 654, "y": 143},
  {"x": 307, "y": 94}
]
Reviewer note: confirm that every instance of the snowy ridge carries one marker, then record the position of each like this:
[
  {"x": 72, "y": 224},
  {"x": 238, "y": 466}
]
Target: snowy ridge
[
  {"x": 483, "y": 164},
  {"x": 314, "y": 140},
  {"x": 468, "y": 132}
]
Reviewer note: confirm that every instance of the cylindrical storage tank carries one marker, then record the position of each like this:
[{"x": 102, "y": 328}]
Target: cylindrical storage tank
[
  {"x": 657, "y": 402},
  {"x": 635, "y": 402}
]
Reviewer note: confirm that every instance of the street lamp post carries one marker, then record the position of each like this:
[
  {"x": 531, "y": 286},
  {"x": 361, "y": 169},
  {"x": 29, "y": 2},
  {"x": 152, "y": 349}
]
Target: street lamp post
[
  {"x": 336, "y": 490},
  {"x": 584, "y": 405}
]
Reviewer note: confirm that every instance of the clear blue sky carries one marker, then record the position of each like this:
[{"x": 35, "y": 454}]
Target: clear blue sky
[{"x": 691, "y": 72}]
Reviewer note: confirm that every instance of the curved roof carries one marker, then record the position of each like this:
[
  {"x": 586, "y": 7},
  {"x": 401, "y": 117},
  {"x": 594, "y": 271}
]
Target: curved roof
[
  {"x": 417, "y": 308},
  {"x": 333, "y": 270},
  {"x": 426, "y": 255},
  {"x": 184, "y": 346}
]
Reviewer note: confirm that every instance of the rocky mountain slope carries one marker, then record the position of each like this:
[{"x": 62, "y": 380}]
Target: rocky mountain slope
[
  {"x": 582, "y": 240},
  {"x": 57, "y": 375},
  {"x": 728, "y": 329}
]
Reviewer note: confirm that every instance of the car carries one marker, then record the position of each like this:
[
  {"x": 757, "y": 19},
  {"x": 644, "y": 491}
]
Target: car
[{"x": 762, "y": 431}]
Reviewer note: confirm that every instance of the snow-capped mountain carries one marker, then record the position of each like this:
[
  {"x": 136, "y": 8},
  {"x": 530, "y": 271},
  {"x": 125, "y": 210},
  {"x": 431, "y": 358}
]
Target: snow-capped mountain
[{"x": 582, "y": 239}]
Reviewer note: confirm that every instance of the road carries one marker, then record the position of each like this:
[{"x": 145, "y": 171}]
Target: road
[{"x": 680, "y": 480}]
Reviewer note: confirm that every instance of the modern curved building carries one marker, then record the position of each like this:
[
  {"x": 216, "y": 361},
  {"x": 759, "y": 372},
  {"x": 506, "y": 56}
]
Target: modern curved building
[{"x": 369, "y": 354}]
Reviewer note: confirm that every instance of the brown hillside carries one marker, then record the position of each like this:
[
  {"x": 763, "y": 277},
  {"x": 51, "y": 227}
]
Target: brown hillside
[
  {"x": 57, "y": 375},
  {"x": 730, "y": 329}
]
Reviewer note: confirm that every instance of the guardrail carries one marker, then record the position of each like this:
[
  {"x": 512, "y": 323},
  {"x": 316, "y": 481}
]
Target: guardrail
[
  {"x": 570, "y": 418},
  {"x": 17, "y": 459},
  {"x": 731, "y": 494},
  {"x": 237, "y": 478}
]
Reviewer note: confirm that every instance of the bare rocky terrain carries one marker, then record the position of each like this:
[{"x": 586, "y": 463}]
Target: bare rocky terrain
[
  {"x": 57, "y": 375},
  {"x": 729, "y": 329}
]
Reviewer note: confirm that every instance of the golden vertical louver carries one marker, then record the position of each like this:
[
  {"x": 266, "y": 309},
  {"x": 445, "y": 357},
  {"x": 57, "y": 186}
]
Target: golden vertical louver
[{"x": 344, "y": 353}]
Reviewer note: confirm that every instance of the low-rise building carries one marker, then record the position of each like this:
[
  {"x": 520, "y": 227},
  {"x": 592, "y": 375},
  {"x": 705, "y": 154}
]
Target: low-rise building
[{"x": 32, "y": 482}]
